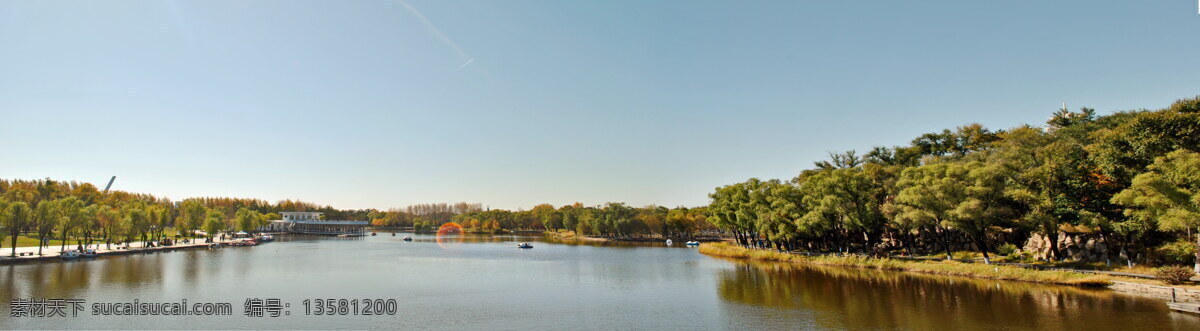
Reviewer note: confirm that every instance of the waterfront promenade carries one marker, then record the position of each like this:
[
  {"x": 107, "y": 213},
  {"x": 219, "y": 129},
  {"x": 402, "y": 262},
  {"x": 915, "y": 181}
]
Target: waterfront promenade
[{"x": 29, "y": 253}]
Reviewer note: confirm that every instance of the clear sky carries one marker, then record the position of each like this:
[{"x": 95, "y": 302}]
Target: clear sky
[{"x": 378, "y": 104}]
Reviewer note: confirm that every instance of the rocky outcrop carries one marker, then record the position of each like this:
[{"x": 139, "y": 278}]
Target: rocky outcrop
[{"x": 1080, "y": 247}]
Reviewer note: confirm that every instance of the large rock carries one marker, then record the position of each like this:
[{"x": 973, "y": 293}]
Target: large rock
[{"x": 1084, "y": 247}]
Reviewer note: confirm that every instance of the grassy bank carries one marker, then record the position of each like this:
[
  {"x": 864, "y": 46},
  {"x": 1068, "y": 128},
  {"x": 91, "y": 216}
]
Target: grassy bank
[
  {"x": 951, "y": 268},
  {"x": 570, "y": 235}
]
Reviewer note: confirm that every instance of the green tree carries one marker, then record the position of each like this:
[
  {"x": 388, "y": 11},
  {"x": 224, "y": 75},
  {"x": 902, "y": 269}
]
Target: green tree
[
  {"x": 5, "y": 220},
  {"x": 214, "y": 222},
  {"x": 87, "y": 223},
  {"x": 70, "y": 213},
  {"x": 247, "y": 220},
  {"x": 550, "y": 218},
  {"x": 779, "y": 207},
  {"x": 1052, "y": 172},
  {"x": 192, "y": 215},
  {"x": 135, "y": 222},
  {"x": 846, "y": 200},
  {"x": 570, "y": 219},
  {"x": 1168, "y": 193},
  {"x": 160, "y": 219},
  {"x": 927, "y": 198},
  {"x": 681, "y": 222},
  {"x": 731, "y": 210},
  {"x": 46, "y": 219},
  {"x": 109, "y": 220},
  {"x": 986, "y": 204},
  {"x": 18, "y": 218}
]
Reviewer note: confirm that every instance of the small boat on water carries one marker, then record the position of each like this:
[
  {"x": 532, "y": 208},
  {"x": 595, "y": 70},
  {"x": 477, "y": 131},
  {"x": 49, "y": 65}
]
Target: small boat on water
[
  {"x": 407, "y": 238},
  {"x": 692, "y": 243},
  {"x": 69, "y": 255},
  {"x": 393, "y": 234},
  {"x": 669, "y": 242},
  {"x": 266, "y": 238},
  {"x": 89, "y": 253},
  {"x": 373, "y": 234},
  {"x": 524, "y": 245},
  {"x": 244, "y": 242}
]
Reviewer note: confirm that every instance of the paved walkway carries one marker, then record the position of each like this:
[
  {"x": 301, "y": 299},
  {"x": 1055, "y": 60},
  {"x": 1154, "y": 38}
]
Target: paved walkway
[{"x": 30, "y": 252}]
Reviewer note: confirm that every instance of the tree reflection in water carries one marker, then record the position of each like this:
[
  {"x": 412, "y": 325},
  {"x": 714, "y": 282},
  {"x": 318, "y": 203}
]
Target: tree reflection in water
[{"x": 833, "y": 297}]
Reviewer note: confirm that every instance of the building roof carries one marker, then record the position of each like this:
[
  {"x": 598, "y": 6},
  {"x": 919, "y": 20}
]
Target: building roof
[{"x": 325, "y": 222}]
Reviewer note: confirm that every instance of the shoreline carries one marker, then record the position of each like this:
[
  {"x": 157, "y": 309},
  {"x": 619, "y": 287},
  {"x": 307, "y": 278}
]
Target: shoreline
[
  {"x": 961, "y": 269},
  {"x": 948, "y": 268},
  {"x": 572, "y": 235},
  {"x": 53, "y": 255}
]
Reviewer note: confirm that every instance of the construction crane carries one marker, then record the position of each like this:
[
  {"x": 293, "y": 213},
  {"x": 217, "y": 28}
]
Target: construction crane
[{"x": 110, "y": 181}]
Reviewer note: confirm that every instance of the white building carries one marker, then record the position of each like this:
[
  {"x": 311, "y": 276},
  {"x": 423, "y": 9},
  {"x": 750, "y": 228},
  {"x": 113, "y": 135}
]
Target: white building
[{"x": 314, "y": 223}]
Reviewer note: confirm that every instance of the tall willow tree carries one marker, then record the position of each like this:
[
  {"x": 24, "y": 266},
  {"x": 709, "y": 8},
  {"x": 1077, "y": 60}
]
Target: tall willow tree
[
  {"x": 70, "y": 214},
  {"x": 87, "y": 224},
  {"x": 18, "y": 218},
  {"x": 247, "y": 220},
  {"x": 46, "y": 219},
  {"x": 109, "y": 221},
  {"x": 214, "y": 221},
  {"x": 191, "y": 217}
]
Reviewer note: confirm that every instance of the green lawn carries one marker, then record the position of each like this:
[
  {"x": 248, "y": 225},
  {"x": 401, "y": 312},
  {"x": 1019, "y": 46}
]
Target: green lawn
[{"x": 27, "y": 241}]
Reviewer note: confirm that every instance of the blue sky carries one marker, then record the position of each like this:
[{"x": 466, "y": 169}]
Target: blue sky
[{"x": 378, "y": 104}]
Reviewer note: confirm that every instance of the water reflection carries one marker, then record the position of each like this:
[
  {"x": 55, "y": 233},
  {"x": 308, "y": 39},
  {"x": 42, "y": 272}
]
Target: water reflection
[
  {"x": 68, "y": 279},
  {"x": 835, "y": 297}
]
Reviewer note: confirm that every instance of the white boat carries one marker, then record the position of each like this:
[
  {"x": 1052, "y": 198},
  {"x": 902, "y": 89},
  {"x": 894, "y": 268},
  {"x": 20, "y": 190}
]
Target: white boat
[
  {"x": 407, "y": 238},
  {"x": 524, "y": 245},
  {"x": 669, "y": 242},
  {"x": 69, "y": 255},
  {"x": 692, "y": 243}
]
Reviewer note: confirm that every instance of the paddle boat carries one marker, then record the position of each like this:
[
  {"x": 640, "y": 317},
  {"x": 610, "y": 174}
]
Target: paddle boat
[
  {"x": 244, "y": 242},
  {"x": 69, "y": 255},
  {"x": 407, "y": 238},
  {"x": 524, "y": 245}
]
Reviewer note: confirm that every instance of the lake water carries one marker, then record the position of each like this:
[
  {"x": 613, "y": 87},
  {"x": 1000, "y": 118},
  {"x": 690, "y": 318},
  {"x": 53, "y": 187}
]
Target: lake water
[{"x": 487, "y": 283}]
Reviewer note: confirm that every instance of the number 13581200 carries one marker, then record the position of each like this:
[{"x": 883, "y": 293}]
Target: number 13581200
[{"x": 342, "y": 307}]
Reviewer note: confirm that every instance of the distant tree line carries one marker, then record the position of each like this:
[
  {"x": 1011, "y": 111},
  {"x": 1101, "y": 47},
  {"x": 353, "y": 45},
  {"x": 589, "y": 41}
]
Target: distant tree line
[{"x": 80, "y": 214}]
